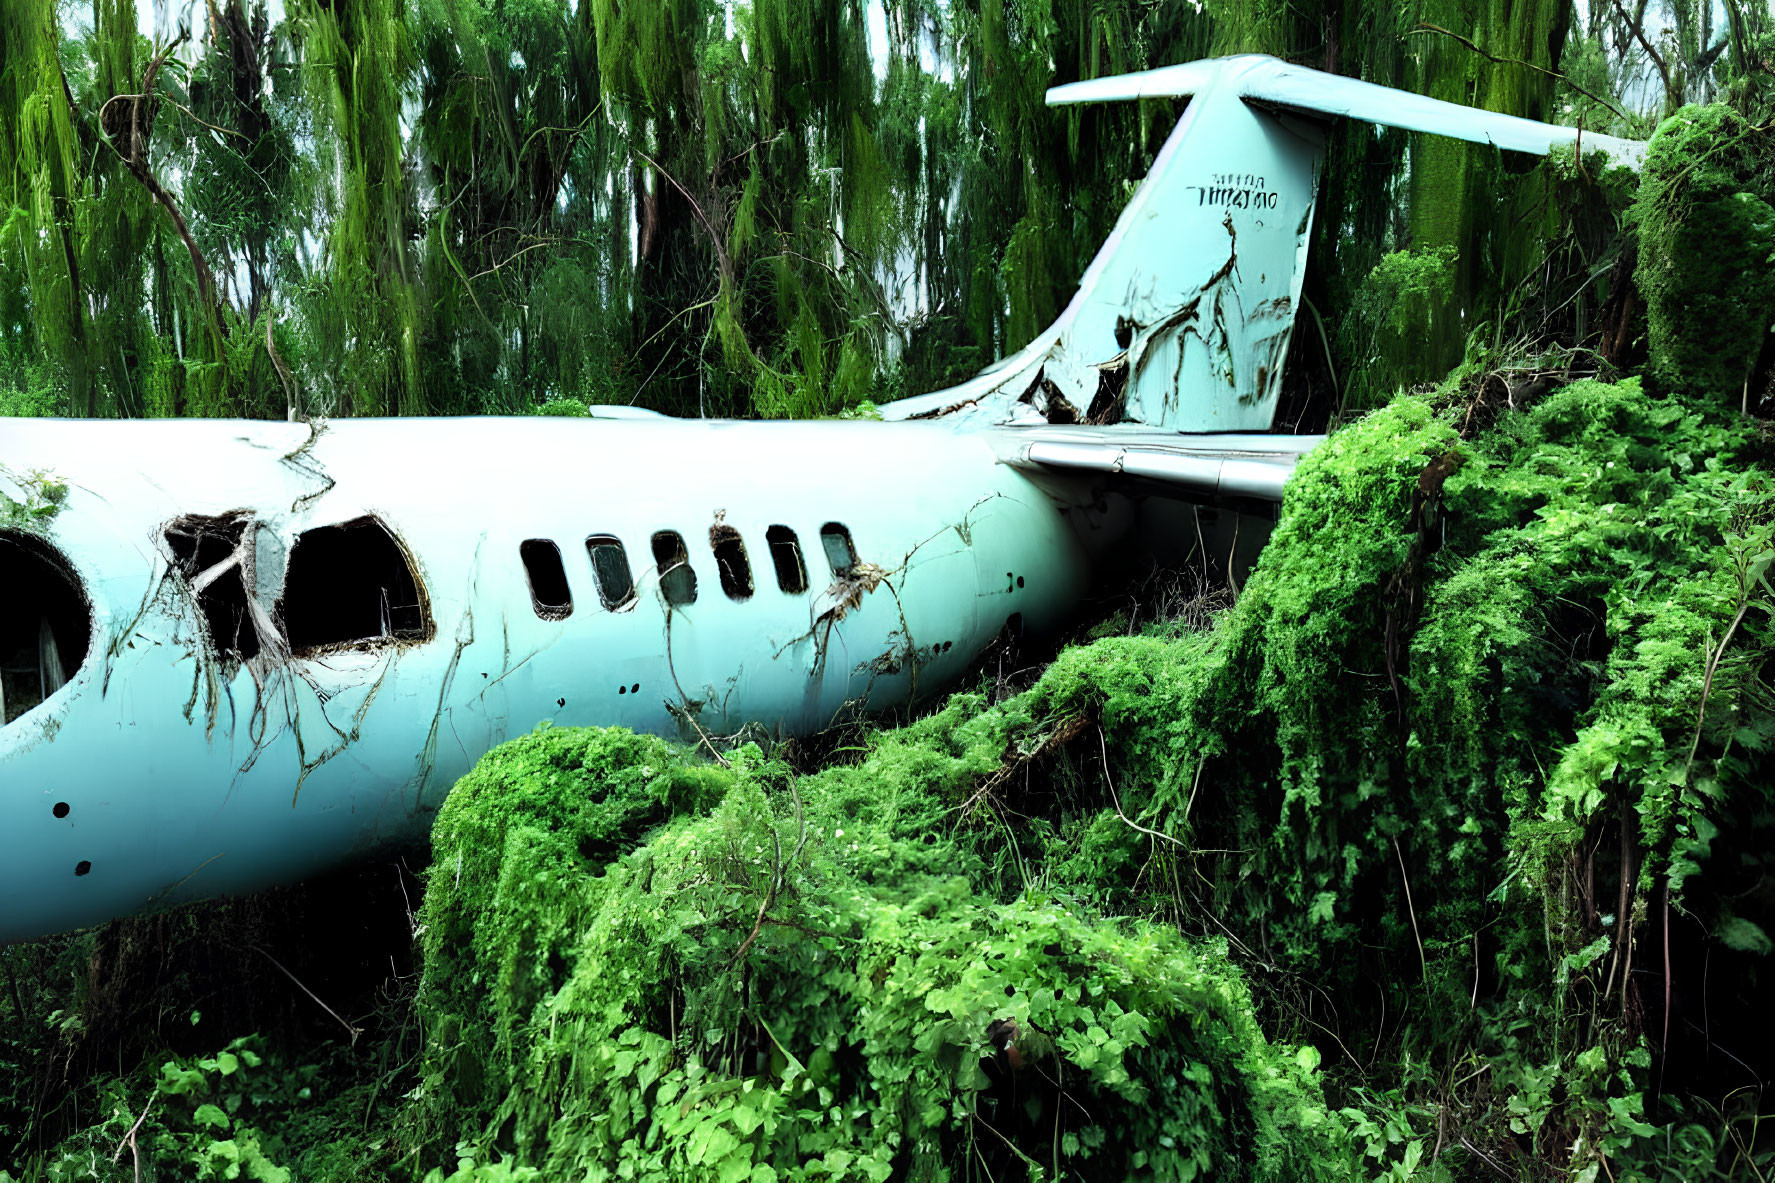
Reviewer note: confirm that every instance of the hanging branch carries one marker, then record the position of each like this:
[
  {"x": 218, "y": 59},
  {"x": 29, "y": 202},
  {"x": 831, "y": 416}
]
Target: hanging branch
[
  {"x": 1672, "y": 99},
  {"x": 1427, "y": 27},
  {"x": 136, "y": 161}
]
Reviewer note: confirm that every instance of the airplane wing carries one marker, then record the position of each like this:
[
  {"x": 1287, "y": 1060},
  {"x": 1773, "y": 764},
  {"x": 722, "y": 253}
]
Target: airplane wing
[
  {"x": 1264, "y": 79},
  {"x": 1243, "y": 466}
]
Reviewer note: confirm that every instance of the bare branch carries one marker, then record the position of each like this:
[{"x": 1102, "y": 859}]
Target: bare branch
[
  {"x": 1427, "y": 27},
  {"x": 136, "y": 161},
  {"x": 1637, "y": 25}
]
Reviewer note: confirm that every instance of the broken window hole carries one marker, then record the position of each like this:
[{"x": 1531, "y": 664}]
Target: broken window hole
[
  {"x": 61, "y": 809},
  {"x": 82, "y": 867},
  {"x": 610, "y": 571},
  {"x": 785, "y": 553},
  {"x": 213, "y": 554},
  {"x": 549, "y": 593},
  {"x": 350, "y": 584},
  {"x": 677, "y": 581},
  {"x": 836, "y": 540},
  {"x": 731, "y": 563},
  {"x": 45, "y": 623}
]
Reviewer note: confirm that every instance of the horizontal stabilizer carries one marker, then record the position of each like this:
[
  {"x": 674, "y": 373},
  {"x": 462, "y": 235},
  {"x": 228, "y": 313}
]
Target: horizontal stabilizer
[{"x": 1259, "y": 78}]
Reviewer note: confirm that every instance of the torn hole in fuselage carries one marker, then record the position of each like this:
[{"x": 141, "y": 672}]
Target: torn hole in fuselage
[
  {"x": 351, "y": 585},
  {"x": 214, "y": 555},
  {"x": 45, "y": 623}
]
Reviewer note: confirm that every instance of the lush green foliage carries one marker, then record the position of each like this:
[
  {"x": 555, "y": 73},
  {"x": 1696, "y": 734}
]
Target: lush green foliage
[
  {"x": 798, "y": 983},
  {"x": 1443, "y": 852}
]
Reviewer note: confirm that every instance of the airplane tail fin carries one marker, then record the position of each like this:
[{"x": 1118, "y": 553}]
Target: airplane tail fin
[{"x": 1182, "y": 320}]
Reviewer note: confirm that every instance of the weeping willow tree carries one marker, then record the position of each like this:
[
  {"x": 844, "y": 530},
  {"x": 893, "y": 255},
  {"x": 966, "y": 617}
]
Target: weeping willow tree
[
  {"x": 370, "y": 312},
  {"x": 121, "y": 233},
  {"x": 45, "y": 307}
]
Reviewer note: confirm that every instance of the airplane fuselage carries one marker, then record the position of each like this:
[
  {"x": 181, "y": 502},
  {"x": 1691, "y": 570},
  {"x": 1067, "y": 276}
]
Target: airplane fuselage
[{"x": 298, "y": 639}]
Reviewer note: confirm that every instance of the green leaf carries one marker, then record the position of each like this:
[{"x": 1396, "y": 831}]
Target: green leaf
[
  {"x": 211, "y": 1115},
  {"x": 1735, "y": 932}
]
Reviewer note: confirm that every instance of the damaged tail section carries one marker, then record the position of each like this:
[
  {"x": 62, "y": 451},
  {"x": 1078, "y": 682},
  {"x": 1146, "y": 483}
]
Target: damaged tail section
[{"x": 1183, "y": 319}]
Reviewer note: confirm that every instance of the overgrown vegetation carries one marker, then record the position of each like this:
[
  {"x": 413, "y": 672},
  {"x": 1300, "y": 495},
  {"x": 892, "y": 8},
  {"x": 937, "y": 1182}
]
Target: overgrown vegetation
[
  {"x": 1467, "y": 794},
  {"x": 1452, "y": 793}
]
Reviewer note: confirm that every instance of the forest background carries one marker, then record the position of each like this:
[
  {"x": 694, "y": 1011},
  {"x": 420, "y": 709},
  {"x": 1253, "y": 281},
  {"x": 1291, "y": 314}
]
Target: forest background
[
  {"x": 788, "y": 207},
  {"x": 1453, "y": 794}
]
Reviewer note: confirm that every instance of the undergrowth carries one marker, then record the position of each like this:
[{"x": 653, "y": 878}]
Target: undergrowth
[{"x": 798, "y": 980}]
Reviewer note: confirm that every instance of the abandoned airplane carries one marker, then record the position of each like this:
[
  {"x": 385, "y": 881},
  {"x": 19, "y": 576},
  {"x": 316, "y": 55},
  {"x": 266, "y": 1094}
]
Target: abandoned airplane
[{"x": 233, "y": 654}]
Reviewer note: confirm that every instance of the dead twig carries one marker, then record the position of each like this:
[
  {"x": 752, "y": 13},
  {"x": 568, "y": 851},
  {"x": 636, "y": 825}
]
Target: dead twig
[
  {"x": 1006, "y": 1141},
  {"x": 129, "y": 1140},
  {"x": 1485, "y": 1158},
  {"x": 355, "y": 1032},
  {"x": 1423, "y": 965},
  {"x": 1103, "y": 746},
  {"x": 1427, "y": 27},
  {"x": 770, "y": 897},
  {"x": 1063, "y": 734}
]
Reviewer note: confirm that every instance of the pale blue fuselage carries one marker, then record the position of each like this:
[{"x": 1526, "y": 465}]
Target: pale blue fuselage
[{"x": 186, "y": 773}]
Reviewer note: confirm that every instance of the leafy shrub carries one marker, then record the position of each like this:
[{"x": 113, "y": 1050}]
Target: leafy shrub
[
  {"x": 201, "y": 1119},
  {"x": 1398, "y": 306},
  {"x": 800, "y": 984}
]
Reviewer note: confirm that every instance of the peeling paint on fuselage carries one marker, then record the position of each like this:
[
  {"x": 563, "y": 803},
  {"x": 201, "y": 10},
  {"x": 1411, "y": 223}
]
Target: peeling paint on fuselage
[{"x": 187, "y": 773}]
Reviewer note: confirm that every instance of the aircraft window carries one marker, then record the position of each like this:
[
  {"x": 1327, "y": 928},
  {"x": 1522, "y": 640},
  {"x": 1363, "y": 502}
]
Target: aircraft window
[
  {"x": 212, "y": 554},
  {"x": 730, "y": 562},
  {"x": 549, "y": 593},
  {"x": 347, "y": 584},
  {"x": 839, "y": 551},
  {"x": 45, "y": 625},
  {"x": 677, "y": 580},
  {"x": 610, "y": 570},
  {"x": 785, "y": 552}
]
